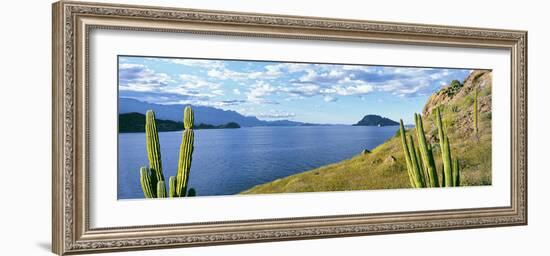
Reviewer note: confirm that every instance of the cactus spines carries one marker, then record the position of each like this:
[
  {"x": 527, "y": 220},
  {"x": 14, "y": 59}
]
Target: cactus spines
[
  {"x": 426, "y": 153},
  {"x": 145, "y": 180},
  {"x": 475, "y": 111},
  {"x": 161, "y": 189},
  {"x": 172, "y": 186},
  {"x": 153, "y": 147},
  {"x": 186, "y": 153}
]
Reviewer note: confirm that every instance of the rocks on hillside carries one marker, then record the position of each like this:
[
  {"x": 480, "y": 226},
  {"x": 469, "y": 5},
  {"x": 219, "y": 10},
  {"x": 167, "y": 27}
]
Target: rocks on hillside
[
  {"x": 478, "y": 78},
  {"x": 459, "y": 105}
]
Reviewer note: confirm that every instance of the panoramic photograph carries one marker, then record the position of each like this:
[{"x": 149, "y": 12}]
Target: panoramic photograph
[{"x": 209, "y": 127}]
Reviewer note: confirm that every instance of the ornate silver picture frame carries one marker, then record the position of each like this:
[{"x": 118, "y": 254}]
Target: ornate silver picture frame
[{"x": 72, "y": 202}]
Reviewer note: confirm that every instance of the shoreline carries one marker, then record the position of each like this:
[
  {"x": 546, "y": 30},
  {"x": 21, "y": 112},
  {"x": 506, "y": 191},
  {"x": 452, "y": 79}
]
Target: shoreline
[
  {"x": 318, "y": 168},
  {"x": 274, "y": 126}
]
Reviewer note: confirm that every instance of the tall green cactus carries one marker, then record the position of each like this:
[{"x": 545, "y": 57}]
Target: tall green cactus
[
  {"x": 426, "y": 153},
  {"x": 456, "y": 173},
  {"x": 161, "y": 189},
  {"x": 406, "y": 154},
  {"x": 186, "y": 152},
  {"x": 445, "y": 149},
  {"x": 153, "y": 147},
  {"x": 413, "y": 168},
  {"x": 416, "y": 164},
  {"x": 172, "y": 185},
  {"x": 146, "y": 183},
  {"x": 475, "y": 111},
  {"x": 152, "y": 178},
  {"x": 420, "y": 161}
]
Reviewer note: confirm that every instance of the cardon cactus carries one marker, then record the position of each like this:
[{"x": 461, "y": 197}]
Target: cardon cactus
[
  {"x": 456, "y": 173},
  {"x": 153, "y": 148},
  {"x": 161, "y": 189},
  {"x": 186, "y": 153},
  {"x": 410, "y": 158},
  {"x": 152, "y": 179},
  {"x": 426, "y": 153},
  {"x": 172, "y": 185},
  {"x": 445, "y": 150},
  {"x": 416, "y": 164},
  {"x": 146, "y": 183},
  {"x": 420, "y": 161}
]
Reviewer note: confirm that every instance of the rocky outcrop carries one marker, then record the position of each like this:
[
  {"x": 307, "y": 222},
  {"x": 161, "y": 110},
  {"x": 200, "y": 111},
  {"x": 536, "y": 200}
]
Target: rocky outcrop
[
  {"x": 480, "y": 79},
  {"x": 457, "y": 102}
]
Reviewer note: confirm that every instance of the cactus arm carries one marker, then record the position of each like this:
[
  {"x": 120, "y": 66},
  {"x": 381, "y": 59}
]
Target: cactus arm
[
  {"x": 153, "y": 147},
  {"x": 456, "y": 173},
  {"x": 442, "y": 178},
  {"x": 425, "y": 150},
  {"x": 184, "y": 165},
  {"x": 434, "y": 179},
  {"x": 445, "y": 151},
  {"x": 417, "y": 170},
  {"x": 161, "y": 189},
  {"x": 146, "y": 185},
  {"x": 172, "y": 186},
  {"x": 423, "y": 169},
  {"x": 188, "y": 118},
  {"x": 186, "y": 153},
  {"x": 405, "y": 146},
  {"x": 447, "y": 162},
  {"x": 439, "y": 123}
]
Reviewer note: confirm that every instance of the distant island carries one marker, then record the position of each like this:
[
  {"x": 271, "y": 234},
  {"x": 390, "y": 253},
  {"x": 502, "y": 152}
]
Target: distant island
[
  {"x": 135, "y": 122},
  {"x": 376, "y": 120},
  {"x": 230, "y": 125}
]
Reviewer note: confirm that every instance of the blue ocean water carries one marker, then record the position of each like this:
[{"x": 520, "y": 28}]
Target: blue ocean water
[{"x": 228, "y": 161}]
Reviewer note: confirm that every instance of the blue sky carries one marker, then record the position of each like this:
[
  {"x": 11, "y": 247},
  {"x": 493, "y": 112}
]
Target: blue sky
[{"x": 315, "y": 93}]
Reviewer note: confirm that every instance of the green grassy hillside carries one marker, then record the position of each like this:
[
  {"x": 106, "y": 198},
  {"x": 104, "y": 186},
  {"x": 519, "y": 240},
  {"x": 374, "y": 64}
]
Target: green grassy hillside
[{"x": 384, "y": 167}]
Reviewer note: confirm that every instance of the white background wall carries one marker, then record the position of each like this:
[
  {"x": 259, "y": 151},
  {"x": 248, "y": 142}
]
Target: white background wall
[{"x": 25, "y": 148}]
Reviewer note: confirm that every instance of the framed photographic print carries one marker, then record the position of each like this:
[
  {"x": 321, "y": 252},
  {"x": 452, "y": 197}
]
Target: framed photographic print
[{"x": 179, "y": 127}]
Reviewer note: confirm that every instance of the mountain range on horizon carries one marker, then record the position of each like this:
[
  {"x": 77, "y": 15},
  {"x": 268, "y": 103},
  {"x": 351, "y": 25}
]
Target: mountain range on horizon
[
  {"x": 215, "y": 116},
  {"x": 203, "y": 114}
]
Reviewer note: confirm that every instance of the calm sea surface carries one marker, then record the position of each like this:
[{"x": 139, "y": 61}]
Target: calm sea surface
[{"x": 228, "y": 161}]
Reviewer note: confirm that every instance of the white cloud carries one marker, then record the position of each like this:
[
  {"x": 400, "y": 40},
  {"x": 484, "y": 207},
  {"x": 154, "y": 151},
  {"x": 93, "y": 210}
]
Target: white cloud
[
  {"x": 207, "y": 103},
  {"x": 329, "y": 98},
  {"x": 196, "y": 82},
  {"x": 273, "y": 82},
  {"x": 228, "y": 74},
  {"x": 349, "y": 90},
  {"x": 203, "y": 63},
  {"x": 138, "y": 77},
  {"x": 276, "y": 114},
  {"x": 302, "y": 89},
  {"x": 259, "y": 91}
]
